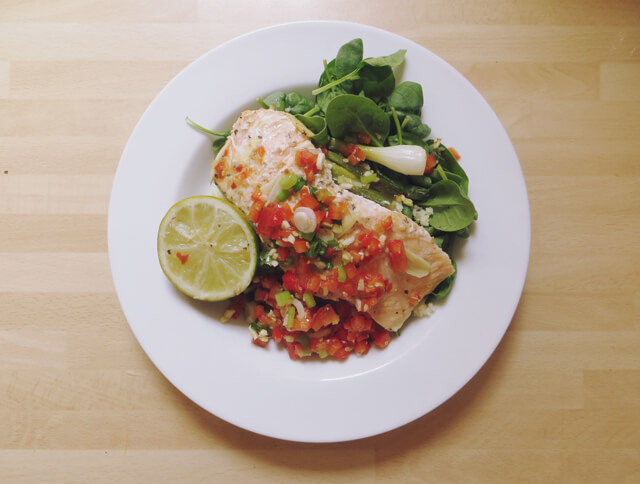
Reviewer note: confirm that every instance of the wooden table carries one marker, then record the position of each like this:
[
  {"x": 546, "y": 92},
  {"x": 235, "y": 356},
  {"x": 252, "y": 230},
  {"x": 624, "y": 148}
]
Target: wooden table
[{"x": 559, "y": 401}]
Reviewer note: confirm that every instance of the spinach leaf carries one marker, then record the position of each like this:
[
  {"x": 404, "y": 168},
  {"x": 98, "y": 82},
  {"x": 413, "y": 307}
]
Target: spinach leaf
[
  {"x": 393, "y": 60},
  {"x": 318, "y": 125},
  {"x": 407, "y": 96},
  {"x": 413, "y": 124},
  {"x": 408, "y": 139},
  {"x": 291, "y": 102},
  {"x": 348, "y": 58},
  {"x": 218, "y": 143},
  {"x": 349, "y": 114},
  {"x": 452, "y": 209},
  {"x": 444, "y": 288},
  {"x": 377, "y": 82},
  {"x": 327, "y": 77},
  {"x": 449, "y": 163},
  {"x": 297, "y": 104},
  {"x": 276, "y": 99}
]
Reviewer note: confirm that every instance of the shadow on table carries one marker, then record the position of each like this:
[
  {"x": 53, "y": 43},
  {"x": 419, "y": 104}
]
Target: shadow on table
[{"x": 352, "y": 455}]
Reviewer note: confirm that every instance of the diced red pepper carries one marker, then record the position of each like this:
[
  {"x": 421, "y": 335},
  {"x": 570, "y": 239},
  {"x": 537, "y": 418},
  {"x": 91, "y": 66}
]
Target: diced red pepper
[
  {"x": 455, "y": 153},
  {"x": 397, "y": 255},
  {"x": 183, "y": 257},
  {"x": 431, "y": 164}
]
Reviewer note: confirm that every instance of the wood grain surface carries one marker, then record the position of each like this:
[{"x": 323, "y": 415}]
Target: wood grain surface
[{"x": 558, "y": 402}]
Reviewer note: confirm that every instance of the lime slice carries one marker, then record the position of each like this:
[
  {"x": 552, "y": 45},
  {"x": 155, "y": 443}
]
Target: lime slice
[{"x": 207, "y": 248}]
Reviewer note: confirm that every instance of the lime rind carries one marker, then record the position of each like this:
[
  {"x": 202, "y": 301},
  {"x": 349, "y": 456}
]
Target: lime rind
[{"x": 218, "y": 246}]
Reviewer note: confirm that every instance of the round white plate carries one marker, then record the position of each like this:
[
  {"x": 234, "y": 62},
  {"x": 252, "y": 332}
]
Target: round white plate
[{"x": 262, "y": 390}]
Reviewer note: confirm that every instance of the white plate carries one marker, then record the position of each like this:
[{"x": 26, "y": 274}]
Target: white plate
[{"x": 216, "y": 365}]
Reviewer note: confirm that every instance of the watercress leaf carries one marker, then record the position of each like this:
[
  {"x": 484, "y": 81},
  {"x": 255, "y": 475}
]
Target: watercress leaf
[
  {"x": 349, "y": 114},
  {"x": 318, "y": 125},
  {"x": 393, "y": 60},
  {"x": 407, "y": 96},
  {"x": 377, "y": 82},
  {"x": 452, "y": 209},
  {"x": 277, "y": 100},
  {"x": 348, "y": 58}
]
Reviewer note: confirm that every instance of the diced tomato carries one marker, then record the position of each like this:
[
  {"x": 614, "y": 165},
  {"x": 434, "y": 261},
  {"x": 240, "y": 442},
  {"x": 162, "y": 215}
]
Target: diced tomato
[
  {"x": 272, "y": 217},
  {"x": 381, "y": 338},
  {"x": 294, "y": 349},
  {"x": 313, "y": 283},
  {"x": 259, "y": 342},
  {"x": 301, "y": 246},
  {"x": 361, "y": 348},
  {"x": 219, "y": 169},
  {"x": 260, "y": 295},
  {"x": 307, "y": 199},
  {"x": 254, "y": 211},
  {"x": 385, "y": 225},
  {"x": 363, "y": 138},
  {"x": 359, "y": 323},
  {"x": 276, "y": 334},
  {"x": 256, "y": 196},
  {"x": 338, "y": 210},
  {"x": 306, "y": 159},
  {"x": 324, "y": 316},
  {"x": 365, "y": 237},
  {"x": 325, "y": 196},
  {"x": 346, "y": 149},
  {"x": 290, "y": 281},
  {"x": 351, "y": 270},
  {"x": 356, "y": 156},
  {"x": 397, "y": 255},
  {"x": 431, "y": 164}
]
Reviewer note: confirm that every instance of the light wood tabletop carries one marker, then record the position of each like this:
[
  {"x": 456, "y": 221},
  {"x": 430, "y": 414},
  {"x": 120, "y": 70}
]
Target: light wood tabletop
[{"x": 559, "y": 400}]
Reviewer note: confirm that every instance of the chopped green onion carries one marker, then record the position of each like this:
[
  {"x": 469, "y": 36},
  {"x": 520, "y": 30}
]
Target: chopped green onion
[
  {"x": 332, "y": 243},
  {"x": 288, "y": 181},
  {"x": 283, "y": 195},
  {"x": 291, "y": 313},
  {"x": 283, "y": 298},
  {"x": 342, "y": 275},
  {"x": 309, "y": 300},
  {"x": 370, "y": 178},
  {"x": 307, "y": 236},
  {"x": 299, "y": 184}
]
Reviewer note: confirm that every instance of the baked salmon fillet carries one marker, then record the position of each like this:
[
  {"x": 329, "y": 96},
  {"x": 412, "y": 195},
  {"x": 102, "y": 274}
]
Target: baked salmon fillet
[{"x": 330, "y": 242}]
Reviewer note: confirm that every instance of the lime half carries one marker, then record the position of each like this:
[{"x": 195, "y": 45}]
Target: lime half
[{"x": 207, "y": 248}]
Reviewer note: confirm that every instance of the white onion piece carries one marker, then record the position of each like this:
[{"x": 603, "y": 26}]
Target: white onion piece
[{"x": 305, "y": 220}]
